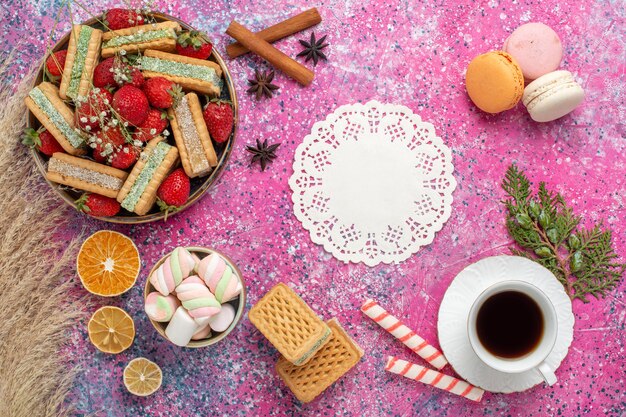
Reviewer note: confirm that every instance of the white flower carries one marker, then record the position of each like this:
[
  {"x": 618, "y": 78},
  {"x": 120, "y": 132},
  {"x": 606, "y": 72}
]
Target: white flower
[
  {"x": 83, "y": 119},
  {"x": 125, "y": 150},
  {"x": 93, "y": 119},
  {"x": 153, "y": 131},
  {"x": 166, "y": 133},
  {"x": 123, "y": 52},
  {"x": 88, "y": 128}
]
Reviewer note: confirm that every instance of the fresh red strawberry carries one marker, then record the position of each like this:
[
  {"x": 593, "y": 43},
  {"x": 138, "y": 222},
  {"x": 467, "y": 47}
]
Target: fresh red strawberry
[
  {"x": 98, "y": 154},
  {"x": 93, "y": 113},
  {"x": 161, "y": 92},
  {"x": 136, "y": 77},
  {"x": 218, "y": 116},
  {"x": 103, "y": 75},
  {"x": 124, "y": 74},
  {"x": 113, "y": 135},
  {"x": 98, "y": 205},
  {"x": 43, "y": 141},
  {"x": 116, "y": 19},
  {"x": 56, "y": 63},
  {"x": 155, "y": 123},
  {"x": 174, "y": 191},
  {"x": 114, "y": 72},
  {"x": 125, "y": 156},
  {"x": 131, "y": 104},
  {"x": 194, "y": 44},
  {"x": 105, "y": 142}
]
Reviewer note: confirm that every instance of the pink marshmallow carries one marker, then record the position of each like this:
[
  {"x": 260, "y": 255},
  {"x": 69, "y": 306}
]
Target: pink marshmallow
[
  {"x": 159, "y": 307},
  {"x": 223, "y": 319},
  {"x": 197, "y": 298},
  {"x": 202, "y": 333},
  {"x": 211, "y": 269},
  {"x": 162, "y": 278}
]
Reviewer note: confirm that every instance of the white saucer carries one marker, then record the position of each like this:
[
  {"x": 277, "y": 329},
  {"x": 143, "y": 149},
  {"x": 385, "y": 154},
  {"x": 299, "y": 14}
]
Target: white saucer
[{"x": 455, "y": 307}]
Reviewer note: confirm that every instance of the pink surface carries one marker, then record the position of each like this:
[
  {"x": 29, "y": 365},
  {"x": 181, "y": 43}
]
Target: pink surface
[{"x": 408, "y": 53}]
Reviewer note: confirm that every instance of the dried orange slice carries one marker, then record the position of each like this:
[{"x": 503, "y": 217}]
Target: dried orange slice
[
  {"x": 111, "y": 329},
  {"x": 142, "y": 377},
  {"x": 108, "y": 263}
]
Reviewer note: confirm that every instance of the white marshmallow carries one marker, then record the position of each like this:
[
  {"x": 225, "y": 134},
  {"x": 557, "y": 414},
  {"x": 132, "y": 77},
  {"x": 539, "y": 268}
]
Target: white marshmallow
[
  {"x": 181, "y": 328},
  {"x": 223, "y": 319}
]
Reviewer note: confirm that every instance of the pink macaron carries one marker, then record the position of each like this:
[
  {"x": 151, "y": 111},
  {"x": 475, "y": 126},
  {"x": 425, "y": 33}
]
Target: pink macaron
[{"x": 536, "y": 48}]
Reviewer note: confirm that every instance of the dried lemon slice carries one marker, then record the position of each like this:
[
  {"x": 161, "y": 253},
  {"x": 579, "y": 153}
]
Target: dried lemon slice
[
  {"x": 142, "y": 377},
  {"x": 111, "y": 329},
  {"x": 108, "y": 263}
]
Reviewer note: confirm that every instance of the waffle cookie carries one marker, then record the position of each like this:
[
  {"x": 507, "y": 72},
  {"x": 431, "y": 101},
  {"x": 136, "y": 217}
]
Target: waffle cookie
[
  {"x": 289, "y": 324},
  {"x": 329, "y": 364},
  {"x": 85, "y": 175},
  {"x": 156, "y": 36},
  {"x": 191, "y": 73},
  {"x": 138, "y": 193},
  {"x": 83, "y": 53},
  {"x": 192, "y": 136},
  {"x": 56, "y": 116}
]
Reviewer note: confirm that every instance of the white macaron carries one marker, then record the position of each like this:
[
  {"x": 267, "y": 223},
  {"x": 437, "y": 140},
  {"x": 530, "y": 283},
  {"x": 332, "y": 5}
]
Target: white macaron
[{"x": 552, "y": 95}]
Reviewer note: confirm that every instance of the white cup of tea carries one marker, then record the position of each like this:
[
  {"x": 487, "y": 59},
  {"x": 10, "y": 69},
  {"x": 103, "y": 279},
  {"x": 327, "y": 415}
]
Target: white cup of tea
[{"x": 512, "y": 327}]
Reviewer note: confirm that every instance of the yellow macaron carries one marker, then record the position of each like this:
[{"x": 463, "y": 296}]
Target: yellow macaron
[{"x": 494, "y": 82}]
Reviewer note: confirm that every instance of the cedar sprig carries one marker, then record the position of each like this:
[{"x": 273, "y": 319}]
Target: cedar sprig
[{"x": 547, "y": 231}]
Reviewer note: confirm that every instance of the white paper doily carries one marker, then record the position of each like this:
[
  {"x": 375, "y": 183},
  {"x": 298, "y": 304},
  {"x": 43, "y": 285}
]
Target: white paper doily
[
  {"x": 372, "y": 183},
  {"x": 458, "y": 300}
]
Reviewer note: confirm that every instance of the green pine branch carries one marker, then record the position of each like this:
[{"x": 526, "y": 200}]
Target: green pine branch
[{"x": 547, "y": 231}]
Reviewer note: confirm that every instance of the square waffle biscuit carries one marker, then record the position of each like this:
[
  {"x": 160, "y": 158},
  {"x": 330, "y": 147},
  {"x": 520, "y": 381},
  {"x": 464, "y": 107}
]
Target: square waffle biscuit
[
  {"x": 329, "y": 364},
  {"x": 289, "y": 324}
]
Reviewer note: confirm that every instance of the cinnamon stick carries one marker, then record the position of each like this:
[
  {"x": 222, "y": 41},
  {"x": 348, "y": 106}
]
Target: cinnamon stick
[
  {"x": 294, "y": 69},
  {"x": 280, "y": 30}
]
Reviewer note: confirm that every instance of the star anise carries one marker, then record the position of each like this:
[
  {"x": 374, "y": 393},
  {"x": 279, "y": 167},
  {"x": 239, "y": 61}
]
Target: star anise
[
  {"x": 263, "y": 153},
  {"x": 262, "y": 84},
  {"x": 313, "y": 49}
]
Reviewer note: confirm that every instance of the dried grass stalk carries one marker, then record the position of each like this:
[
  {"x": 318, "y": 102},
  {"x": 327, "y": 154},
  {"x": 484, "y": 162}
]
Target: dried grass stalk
[{"x": 37, "y": 275}]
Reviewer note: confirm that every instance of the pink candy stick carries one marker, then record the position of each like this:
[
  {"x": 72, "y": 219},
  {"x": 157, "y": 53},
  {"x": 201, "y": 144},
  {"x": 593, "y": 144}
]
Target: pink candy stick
[
  {"x": 401, "y": 332},
  {"x": 434, "y": 378}
]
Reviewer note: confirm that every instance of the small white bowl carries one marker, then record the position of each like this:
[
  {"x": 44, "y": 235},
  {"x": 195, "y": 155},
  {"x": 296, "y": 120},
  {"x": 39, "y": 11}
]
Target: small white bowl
[{"x": 239, "y": 303}]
